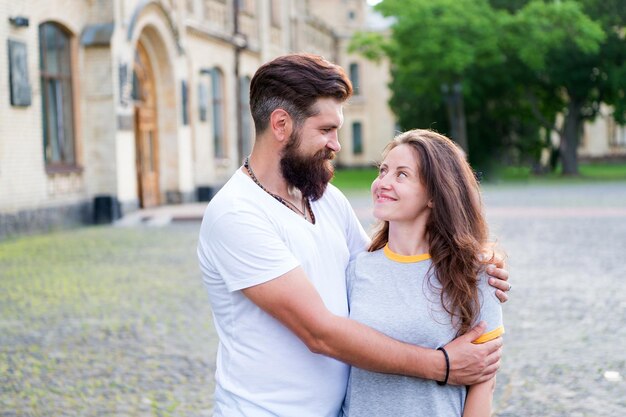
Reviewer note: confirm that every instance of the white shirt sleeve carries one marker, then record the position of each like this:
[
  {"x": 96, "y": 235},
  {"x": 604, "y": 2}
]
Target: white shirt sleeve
[{"x": 246, "y": 249}]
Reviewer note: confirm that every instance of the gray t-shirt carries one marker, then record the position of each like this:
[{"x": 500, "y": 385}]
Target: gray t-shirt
[{"x": 394, "y": 295}]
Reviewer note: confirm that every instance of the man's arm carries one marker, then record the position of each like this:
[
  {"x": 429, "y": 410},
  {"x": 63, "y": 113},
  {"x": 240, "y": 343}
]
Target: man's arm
[
  {"x": 294, "y": 301},
  {"x": 499, "y": 276}
]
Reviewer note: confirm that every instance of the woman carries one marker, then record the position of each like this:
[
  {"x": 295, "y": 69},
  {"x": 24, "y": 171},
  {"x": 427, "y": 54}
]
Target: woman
[{"x": 422, "y": 280}]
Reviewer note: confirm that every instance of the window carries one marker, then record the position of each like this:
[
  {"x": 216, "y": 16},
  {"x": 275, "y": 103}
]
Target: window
[
  {"x": 57, "y": 96},
  {"x": 620, "y": 137},
  {"x": 354, "y": 78},
  {"x": 616, "y": 133},
  {"x": 247, "y": 6},
  {"x": 217, "y": 91},
  {"x": 275, "y": 13},
  {"x": 246, "y": 116},
  {"x": 184, "y": 89},
  {"x": 357, "y": 138},
  {"x": 203, "y": 102}
]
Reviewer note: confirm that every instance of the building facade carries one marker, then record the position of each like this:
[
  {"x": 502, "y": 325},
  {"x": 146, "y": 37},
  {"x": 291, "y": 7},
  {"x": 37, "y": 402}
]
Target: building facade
[
  {"x": 108, "y": 106},
  {"x": 603, "y": 138},
  {"x": 111, "y": 106}
]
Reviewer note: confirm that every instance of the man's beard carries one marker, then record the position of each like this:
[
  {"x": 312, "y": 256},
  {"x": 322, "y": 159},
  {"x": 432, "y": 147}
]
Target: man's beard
[{"x": 310, "y": 174}]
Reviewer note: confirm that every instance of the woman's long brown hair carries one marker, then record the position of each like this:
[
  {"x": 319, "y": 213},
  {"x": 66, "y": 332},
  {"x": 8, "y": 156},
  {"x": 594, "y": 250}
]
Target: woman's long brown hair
[{"x": 456, "y": 229}]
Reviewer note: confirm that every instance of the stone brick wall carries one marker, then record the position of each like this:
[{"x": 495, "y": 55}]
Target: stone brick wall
[
  {"x": 45, "y": 219},
  {"x": 24, "y": 182},
  {"x": 98, "y": 120},
  {"x": 196, "y": 35}
]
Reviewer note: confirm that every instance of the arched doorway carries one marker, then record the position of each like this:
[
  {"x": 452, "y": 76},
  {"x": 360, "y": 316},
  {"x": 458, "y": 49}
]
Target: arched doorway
[{"x": 146, "y": 132}]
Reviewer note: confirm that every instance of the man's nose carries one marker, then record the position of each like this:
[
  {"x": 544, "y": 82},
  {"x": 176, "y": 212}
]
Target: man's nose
[{"x": 333, "y": 142}]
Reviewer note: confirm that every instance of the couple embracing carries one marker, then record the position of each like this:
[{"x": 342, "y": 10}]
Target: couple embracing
[{"x": 315, "y": 319}]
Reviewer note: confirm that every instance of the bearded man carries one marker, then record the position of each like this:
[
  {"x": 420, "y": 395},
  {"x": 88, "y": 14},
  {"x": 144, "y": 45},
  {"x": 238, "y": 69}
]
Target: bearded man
[{"x": 273, "y": 249}]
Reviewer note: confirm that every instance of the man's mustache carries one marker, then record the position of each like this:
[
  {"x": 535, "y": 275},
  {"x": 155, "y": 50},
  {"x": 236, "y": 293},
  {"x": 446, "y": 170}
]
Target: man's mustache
[{"x": 325, "y": 154}]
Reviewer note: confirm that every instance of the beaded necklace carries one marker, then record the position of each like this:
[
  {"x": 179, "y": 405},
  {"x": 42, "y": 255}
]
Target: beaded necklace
[{"x": 306, "y": 205}]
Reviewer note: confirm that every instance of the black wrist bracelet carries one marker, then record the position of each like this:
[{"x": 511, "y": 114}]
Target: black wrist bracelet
[{"x": 445, "y": 354}]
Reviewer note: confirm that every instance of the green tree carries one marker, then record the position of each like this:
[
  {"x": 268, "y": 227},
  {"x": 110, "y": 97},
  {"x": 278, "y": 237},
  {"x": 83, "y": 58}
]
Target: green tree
[
  {"x": 504, "y": 68},
  {"x": 562, "y": 48},
  {"x": 433, "y": 46}
]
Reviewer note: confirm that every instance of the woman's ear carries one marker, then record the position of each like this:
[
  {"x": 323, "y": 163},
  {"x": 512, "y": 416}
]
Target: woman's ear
[{"x": 430, "y": 203}]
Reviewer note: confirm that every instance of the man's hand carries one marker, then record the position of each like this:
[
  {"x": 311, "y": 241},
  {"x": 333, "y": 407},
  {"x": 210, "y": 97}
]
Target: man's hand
[
  {"x": 473, "y": 363},
  {"x": 499, "y": 277}
]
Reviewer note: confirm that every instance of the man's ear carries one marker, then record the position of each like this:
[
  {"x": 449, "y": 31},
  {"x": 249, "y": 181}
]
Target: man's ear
[{"x": 281, "y": 125}]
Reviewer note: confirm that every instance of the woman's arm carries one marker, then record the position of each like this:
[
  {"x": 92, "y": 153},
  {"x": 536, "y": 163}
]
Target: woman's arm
[
  {"x": 479, "y": 398},
  {"x": 480, "y": 395}
]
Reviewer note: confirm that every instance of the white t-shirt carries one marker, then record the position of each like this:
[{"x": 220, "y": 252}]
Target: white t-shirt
[{"x": 247, "y": 238}]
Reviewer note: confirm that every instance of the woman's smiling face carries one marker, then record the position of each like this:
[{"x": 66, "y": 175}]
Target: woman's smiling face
[{"x": 398, "y": 192}]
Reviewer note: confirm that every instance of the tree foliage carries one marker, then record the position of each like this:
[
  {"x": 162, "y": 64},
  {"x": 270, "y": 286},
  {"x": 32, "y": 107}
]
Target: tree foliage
[
  {"x": 559, "y": 45},
  {"x": 518, "y": 65}
]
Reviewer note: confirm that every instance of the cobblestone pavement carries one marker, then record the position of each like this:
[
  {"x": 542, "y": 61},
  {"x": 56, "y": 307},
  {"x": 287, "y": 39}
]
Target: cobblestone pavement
[
  {"x": 113, "y": 321},
  {"x": 105, "y": 321},
  {"x": 566, "y": 321}
]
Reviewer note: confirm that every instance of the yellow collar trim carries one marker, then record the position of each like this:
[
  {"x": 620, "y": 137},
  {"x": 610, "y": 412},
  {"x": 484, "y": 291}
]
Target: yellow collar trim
[{"x": 405, "y": 259}]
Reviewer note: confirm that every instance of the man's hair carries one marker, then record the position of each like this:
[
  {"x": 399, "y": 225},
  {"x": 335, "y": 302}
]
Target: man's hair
[{"x": 294, "y": 83}]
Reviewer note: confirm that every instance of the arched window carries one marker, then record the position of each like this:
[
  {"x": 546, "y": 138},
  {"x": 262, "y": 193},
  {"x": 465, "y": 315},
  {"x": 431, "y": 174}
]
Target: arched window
[
  {"x": 246, "y": 116},
  {"x": 357, "y": 138},
  {"x": 217, "y": 91},
  {"x": 203, "y": 102},
  {"x": 57, "y": 96},
  {"x": 354, "y": 78}
]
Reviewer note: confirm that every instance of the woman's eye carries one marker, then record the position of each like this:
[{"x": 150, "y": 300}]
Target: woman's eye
[{"x": 402, "y": 174}]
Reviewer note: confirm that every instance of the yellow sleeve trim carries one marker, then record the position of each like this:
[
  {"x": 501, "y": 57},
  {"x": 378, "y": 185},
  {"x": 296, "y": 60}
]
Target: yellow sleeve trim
[{"x": 497, "y": 332}]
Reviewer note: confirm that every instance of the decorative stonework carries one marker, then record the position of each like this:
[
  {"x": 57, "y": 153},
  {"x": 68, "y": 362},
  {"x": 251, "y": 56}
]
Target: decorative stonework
[{"x": 65, "y": 184}]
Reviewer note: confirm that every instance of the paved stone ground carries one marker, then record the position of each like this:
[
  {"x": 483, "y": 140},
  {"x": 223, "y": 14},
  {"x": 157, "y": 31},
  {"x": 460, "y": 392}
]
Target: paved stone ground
[
  {"x": 113, "y": 321},
  {"x": 566, "y": 321},
  {"x": 105, "y": 321}
]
